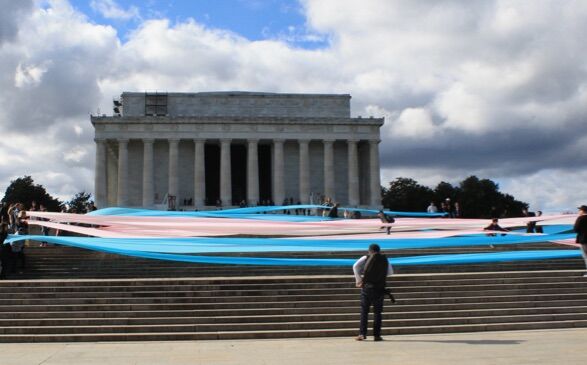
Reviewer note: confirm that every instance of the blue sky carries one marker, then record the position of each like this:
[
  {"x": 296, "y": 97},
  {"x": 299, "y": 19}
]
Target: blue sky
[{"x": 252, "y": 19}]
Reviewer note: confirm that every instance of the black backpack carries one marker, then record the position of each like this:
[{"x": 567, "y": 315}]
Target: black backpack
[{"x": 375, "y": 272}]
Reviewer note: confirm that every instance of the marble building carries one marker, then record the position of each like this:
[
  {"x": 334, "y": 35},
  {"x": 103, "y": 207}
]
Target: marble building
[{"x": 193, "y": 150}]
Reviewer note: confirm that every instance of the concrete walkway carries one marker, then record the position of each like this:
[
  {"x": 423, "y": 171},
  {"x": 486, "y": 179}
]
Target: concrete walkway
[{"x": 516, "y": 347}]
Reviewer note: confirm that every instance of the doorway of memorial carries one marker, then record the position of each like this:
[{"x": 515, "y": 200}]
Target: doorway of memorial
[
  {"x": 212, "y": 166},
  {"x": 265, "y": 190},
  {"x": 238, "y": 170}
]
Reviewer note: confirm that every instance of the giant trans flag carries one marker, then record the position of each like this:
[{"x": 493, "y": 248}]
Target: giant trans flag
[{"x": 203, "y": 237}]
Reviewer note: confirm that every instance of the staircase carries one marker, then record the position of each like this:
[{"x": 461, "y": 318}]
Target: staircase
[
  {"x": 76, "y": 295},
  {"x": 59, "y": 262}
]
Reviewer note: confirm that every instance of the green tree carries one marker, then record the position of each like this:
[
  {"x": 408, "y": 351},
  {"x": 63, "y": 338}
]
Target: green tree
[
  {"x": 405, "y": 194},
  {"x": 482, "y": 199},
  {"x": 24, "y": 190},
  {"x": 446, "y": 190},
  {"x": 478, "y": 198},
  {"x": 80, "y": 202}
]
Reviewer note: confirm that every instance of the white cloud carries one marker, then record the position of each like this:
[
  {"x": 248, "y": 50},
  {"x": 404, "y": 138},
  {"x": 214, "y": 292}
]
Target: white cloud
[
  {"x": 415, "y": 123},
  {"x": 76, "y": 154},
  {"x": 29, "y": 75},
  {"x": 549, "y": 189},
  {"x": 111, "y": 10}
]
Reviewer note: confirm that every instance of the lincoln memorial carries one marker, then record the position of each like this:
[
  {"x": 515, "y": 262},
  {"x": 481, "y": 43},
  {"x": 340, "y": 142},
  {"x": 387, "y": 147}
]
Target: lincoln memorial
[{"x": 197, "y": 150}]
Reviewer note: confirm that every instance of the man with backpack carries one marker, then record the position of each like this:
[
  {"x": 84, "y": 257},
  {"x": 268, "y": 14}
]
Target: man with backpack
[{"x": 375, "y": 268}]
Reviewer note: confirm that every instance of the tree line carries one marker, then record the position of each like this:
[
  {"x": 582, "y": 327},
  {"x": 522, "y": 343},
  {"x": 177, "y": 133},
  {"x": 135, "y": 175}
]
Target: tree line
[
  {"x": 24, "y": 190},
  {"x": 478, "y": 198}
]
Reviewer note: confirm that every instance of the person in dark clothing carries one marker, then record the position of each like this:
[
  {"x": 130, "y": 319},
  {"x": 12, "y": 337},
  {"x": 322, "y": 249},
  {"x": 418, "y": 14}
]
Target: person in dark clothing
[
  {"x": 375, "y": 268},
  {"x": 539, "y": 229},
  {"x": 18, "y": 256},
  {"x": 580, "y": 228},
  {"x": 386, "y": 219},
  {"x": 4, "y": 217},
  {"x": 531, "y": 225},
  {"x": 5, "y": 252},
  {"x": 494, "y": 226},
  {"x": 333, "y": 211}
]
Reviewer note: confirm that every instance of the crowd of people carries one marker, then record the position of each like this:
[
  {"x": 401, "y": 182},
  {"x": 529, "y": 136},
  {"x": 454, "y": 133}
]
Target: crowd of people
[
  {"x": 13, "y": 220},
  {"x": 446, "y": 206}
]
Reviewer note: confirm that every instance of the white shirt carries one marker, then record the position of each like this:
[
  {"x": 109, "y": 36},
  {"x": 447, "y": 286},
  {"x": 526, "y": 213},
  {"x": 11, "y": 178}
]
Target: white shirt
[
  {"x": 432, "y": 209},
  {"x": 359, "y": 266}
]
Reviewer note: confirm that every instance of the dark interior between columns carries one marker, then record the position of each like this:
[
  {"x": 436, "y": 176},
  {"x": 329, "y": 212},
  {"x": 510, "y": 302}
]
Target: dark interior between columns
[
  {"x": 265, "y": 192},
  {"x": 212, "y": 166},
  {"x": 238, "y": 164}
]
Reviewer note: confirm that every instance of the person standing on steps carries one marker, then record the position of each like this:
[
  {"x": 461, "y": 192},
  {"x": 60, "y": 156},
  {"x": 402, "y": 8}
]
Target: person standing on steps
[
  {"x": 334, "y": 211},
  {"x": 375, "y": 268},
  {"x": 581, "y": 229},
  {"x": 539, "y": 229}
]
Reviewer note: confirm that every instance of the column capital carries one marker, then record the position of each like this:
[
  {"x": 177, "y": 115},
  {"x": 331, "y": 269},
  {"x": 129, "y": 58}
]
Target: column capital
[
  {"x": 352, "y": 140},
  {"x": 148, "y": 140},
  {"x": 122, "y": 140},
  {"x": 199, "y": 140},
  {"x": 173, "y": 140},
  {"x": 253, "y": 140},
  {"x": 225, "y": 140},
  {"x": 328, "y": 140},
  {"x": 304, "y": 141},
  {"x": 278, "y": 140},
  {"x": 374, "y": 141}
]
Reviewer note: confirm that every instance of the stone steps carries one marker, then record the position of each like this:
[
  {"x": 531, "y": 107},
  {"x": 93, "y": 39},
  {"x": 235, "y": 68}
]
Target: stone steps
[
  {"x": 232, "y": 308},
  {"x": 67, "y": 262},
  {"x": 203, "y": 302},
  {"x": 343, "y": 314}
]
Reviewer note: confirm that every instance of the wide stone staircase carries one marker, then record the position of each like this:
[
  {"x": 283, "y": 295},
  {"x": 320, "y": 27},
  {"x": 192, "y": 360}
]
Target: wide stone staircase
[{"x": 67, "y": 294}]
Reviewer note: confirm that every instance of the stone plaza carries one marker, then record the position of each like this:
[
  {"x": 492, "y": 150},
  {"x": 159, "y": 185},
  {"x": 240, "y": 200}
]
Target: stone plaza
[{"x": 198, "y": 150}]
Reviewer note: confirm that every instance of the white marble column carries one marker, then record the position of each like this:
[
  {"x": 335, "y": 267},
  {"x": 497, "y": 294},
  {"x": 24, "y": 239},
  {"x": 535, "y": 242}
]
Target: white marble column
[
  {"x": 253, "y": 172},
  {"x": 329, "y": 169},
  {"x": 374, "y": 175},
  {"x": 122, "y": 199},
  {"x": 100, "y": 182},
  {"x": 353, "y": 173},
  {"x": 225, "y": 173},
  {"x": 173, "y": 169},
  {"x": 148, "y": 183},
  {"x": 278, "y": 172},
  {"x": 199, "y": 173},
  {"x": 304, "y": 171}
]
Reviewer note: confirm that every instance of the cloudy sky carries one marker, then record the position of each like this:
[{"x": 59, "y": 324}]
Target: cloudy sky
[{"x": 492, "y": 88}]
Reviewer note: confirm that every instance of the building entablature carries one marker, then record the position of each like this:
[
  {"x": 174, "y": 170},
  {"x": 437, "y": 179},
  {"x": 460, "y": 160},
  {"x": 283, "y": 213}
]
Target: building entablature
[{"x": 237, "y": 128}]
